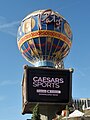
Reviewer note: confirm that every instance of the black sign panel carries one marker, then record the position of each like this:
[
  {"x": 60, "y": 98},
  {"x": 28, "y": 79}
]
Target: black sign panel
[{"x": 48, "y": 85}]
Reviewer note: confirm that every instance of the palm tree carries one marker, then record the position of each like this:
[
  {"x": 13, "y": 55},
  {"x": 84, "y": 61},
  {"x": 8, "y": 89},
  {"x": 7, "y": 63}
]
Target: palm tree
[{"x": 36, "y": 115}]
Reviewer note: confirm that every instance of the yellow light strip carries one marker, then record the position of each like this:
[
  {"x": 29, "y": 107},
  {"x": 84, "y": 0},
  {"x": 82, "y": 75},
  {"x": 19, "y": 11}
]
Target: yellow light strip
[{"x": 44, "y": 33}]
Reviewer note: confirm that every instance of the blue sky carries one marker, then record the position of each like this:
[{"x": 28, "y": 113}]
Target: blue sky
[{"x": 77, "y": 13}]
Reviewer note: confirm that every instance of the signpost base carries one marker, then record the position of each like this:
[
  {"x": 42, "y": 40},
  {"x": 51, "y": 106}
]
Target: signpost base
[{"x": 49, "y": 112}]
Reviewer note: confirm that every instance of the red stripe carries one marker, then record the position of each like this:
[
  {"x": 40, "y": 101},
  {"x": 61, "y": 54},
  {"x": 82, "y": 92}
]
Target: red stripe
[{"x": 26, "y": 50}]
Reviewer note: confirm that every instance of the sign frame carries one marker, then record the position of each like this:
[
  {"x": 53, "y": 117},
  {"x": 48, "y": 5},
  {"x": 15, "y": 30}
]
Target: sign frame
[{"x": 28, "y": 103}]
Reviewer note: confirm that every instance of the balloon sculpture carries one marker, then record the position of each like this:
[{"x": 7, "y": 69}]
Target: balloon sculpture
[{"x": 44, "y": 38}]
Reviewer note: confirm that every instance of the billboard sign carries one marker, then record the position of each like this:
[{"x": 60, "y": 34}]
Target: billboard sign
[{"x": 47, "y": 85}]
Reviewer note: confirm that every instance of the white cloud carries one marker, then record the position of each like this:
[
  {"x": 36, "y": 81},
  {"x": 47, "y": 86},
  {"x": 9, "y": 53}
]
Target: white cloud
[
  {"x": 8, "y": 82},
  {"x": 8, "y": 27}
]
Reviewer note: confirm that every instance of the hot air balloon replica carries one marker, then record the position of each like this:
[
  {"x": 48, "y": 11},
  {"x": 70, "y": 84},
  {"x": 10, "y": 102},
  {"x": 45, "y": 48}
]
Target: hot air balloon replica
[{"x": 44, "y": 39}]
